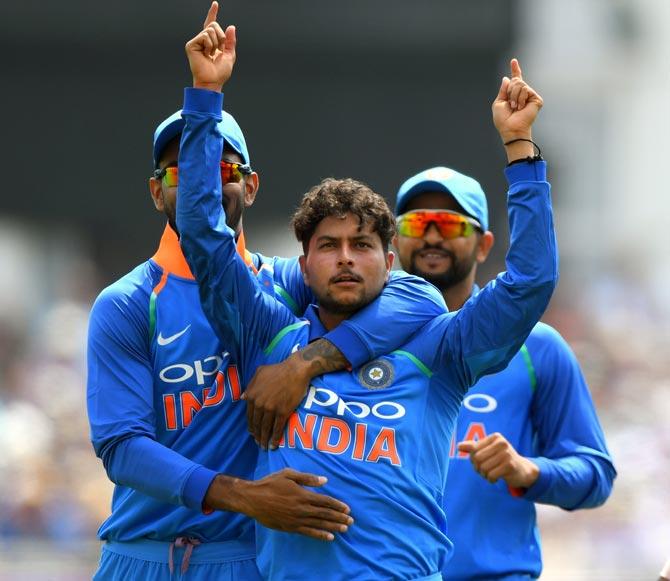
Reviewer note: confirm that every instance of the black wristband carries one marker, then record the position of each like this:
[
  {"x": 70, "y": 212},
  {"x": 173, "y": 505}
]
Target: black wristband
[
  {"x": 535, "y": 145},
  {"x": 528, "y": 159}
]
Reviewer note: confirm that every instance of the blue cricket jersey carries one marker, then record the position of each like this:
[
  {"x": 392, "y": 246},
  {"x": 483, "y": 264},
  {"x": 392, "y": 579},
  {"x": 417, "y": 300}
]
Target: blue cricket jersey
[
  {"x": 380, "y": 432},
  {"x": 164, "y": 390},
  {"x": 542, "y": 405}
]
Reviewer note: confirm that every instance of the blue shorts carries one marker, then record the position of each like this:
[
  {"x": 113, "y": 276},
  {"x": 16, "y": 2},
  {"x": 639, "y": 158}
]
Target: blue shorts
[{"x": 145, "y": 560}]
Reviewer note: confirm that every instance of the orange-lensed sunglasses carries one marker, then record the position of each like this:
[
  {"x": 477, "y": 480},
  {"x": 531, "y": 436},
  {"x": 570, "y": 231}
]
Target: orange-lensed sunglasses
[
  {"x": 231, "y": 173},
  {"x": 450, "y": 224}
]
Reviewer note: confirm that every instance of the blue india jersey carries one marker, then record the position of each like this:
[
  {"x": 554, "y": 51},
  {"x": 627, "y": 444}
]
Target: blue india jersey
[
  {"x": 380, "y": 432},
  {"x": 542, "y": 405},
  {"x": 164, "y": 387},
  {"x": 164, "y": 402}
]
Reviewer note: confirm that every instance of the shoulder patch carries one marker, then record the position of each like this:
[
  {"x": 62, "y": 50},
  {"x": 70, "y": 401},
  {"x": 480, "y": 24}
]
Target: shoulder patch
[{"x": 376, "y": 374}]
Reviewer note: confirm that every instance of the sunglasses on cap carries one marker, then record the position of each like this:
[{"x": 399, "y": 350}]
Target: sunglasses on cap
[
  {"x": 231, "y": 173},
  {"x": 450, "y": 224}
]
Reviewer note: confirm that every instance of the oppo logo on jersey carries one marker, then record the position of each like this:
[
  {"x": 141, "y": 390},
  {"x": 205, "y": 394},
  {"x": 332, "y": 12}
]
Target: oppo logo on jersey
[
  {"x": 337, "y": 436},
  {"x": 480, "y": 403},
  {"x": 384, "y": 410},
  {"x": 181, "y": 407},
  {"x": 201, "y": 368}
]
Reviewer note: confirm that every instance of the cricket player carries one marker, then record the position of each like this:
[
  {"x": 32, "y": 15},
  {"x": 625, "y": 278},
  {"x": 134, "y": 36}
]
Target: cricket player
[
  {"x": 165, "y": 397},
  {"x": 527, "y": 434},
  {"x": 381, "y": 430}
]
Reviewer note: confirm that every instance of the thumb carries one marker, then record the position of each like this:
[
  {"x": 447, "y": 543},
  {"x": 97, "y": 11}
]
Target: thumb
[
  {"x": 502, "y": 92},
  {"x": 306, "y": 479},
  {"x": 231, "y": 39},
  {"x": 467, "y": 446}
]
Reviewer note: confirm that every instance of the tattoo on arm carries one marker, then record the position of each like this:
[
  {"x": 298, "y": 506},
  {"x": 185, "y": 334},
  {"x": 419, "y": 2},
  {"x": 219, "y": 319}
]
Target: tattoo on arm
[{"x": 323, "y": 357}]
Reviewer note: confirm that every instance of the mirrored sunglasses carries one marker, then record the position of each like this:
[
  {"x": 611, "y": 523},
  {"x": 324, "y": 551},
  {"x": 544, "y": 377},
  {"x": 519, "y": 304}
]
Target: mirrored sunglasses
[
  {"x": 450, "y": 224},
  {"x": 231, "y": 173}
]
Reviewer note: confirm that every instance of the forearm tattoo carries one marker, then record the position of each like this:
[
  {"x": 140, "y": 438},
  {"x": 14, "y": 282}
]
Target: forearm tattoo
[{"x": 323, "y": 357}]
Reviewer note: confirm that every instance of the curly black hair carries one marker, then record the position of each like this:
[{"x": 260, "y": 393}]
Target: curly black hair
[{"x": 337, "y": 197}]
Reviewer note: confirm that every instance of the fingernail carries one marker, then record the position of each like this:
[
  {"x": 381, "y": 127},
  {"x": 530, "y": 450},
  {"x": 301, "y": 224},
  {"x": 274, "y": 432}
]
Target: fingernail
[
  {"x": 344, "y": 528},
  {"x": 350, "y": 521},
  {"x": 513, "y": 104},
  {"x": 322, "y": 479},
  {"x": 330, "y": 537}
]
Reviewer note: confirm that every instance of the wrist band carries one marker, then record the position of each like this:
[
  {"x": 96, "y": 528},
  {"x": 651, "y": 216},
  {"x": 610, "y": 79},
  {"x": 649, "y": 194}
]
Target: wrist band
[
  {"x": 535, "y": 145},
  {"x": 528, "y": 159}
]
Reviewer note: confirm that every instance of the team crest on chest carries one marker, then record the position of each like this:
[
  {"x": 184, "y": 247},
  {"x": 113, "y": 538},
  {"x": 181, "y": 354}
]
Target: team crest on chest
[{"x": 377, "y": 374}]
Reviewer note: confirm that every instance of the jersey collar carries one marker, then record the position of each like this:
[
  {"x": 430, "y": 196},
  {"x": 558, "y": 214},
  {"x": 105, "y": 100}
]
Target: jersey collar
[
  {"x": 170, "y": 257},
  {"x": 316, "y": 328}
]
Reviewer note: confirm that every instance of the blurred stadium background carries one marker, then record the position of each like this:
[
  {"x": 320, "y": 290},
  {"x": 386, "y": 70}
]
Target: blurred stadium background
[{"x": 376, "y": 90}]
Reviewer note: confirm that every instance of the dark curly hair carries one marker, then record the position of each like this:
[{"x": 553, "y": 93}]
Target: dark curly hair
[{"x": 334, "y": 197}]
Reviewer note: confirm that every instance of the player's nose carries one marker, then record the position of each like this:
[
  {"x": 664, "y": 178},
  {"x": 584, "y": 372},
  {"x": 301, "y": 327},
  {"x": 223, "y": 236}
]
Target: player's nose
[{"x": 432, "y": 234}]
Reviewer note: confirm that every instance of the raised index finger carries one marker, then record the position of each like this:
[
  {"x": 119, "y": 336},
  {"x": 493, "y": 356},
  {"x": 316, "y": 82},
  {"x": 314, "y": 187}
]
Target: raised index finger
[
  {"x": 211, "y": 14},
  {"x": 515, "y": 69}
]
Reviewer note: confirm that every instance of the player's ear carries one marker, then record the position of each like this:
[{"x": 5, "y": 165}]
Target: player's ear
[
  {"x": 484, "y": 245},
  {"x": 390, "y": 257},
  {"x": 251, "y": 185},
  {"x": 302, "y": 260},
  {"x": 156, "y": 190}
]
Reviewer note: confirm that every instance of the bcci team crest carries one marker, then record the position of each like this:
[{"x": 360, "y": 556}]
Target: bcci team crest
[{"x": 377, "y": 374}]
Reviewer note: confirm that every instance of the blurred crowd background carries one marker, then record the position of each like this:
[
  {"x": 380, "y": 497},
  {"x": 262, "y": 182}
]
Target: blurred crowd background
[{"x": 378, "y": 91}]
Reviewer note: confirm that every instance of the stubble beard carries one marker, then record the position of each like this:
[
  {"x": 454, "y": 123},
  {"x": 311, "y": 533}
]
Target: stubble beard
[{"x": 456, "y": 273}]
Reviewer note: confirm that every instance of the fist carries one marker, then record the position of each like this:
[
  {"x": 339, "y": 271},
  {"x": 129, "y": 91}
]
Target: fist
[{"x": 494, "y": 458}]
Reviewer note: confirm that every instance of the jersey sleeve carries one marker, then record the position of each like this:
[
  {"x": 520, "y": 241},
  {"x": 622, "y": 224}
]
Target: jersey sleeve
[
  {"x": 290, "y": 286},
  {"x": 490, "y": 328},
  {"x": 243, "y": 316},
  {"x": 404, "y": 306},
  {"x": 576, "y": 470},
  {"x": 120, "y": 407}
]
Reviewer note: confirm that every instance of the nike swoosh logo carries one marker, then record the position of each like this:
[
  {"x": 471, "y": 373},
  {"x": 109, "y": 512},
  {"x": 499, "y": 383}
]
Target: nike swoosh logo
[
  {"x": 162, "y": 341},
  {"x": 295, "y": 347}
]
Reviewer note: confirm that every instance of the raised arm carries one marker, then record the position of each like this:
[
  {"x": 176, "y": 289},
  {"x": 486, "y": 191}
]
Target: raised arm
[
  {"x": 233, "y": 300},
  {"x": 240, "y": 312},
  {"x": 491, "y": 327}
]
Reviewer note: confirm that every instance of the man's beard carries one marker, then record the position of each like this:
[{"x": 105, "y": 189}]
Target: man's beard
[{"x": 456, "y": 273}]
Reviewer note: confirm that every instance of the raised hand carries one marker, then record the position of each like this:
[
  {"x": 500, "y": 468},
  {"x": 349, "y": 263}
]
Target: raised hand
[
  {"x": 516, "y": 106},
  {"x": 281, "y": 501},
  {"x": 494, "y": 457},
  {"x": 211, "y": 53}
]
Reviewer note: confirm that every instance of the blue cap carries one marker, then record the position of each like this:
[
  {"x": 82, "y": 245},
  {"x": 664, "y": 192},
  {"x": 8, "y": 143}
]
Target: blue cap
[
  {"x": 465, "y": 190},
  {"x": 174, "y": 125}
]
